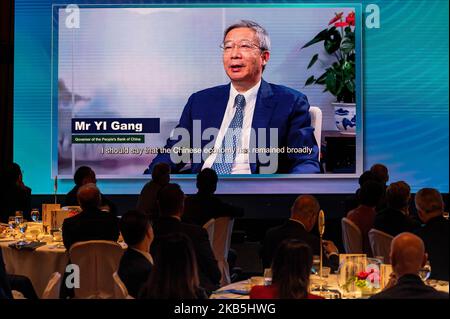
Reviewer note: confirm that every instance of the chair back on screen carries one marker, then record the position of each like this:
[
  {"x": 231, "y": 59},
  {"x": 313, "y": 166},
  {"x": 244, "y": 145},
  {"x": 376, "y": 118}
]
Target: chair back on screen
[
  {"x": 351, "y": 237},
  {"x": 380, "y": 242},
  {"x": 53, "y": 287},
  {"x": 316, "y": 123},
  {"x": 223, "y": 229},
  {"x": 97, "y": 261}
]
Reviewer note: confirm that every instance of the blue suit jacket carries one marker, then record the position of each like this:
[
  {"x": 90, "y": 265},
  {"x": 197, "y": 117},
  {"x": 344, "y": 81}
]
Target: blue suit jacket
[{"x": 276, "y": 107}]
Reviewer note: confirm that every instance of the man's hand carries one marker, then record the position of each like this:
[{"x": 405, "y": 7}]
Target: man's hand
[{"x": 330, "y": 247}]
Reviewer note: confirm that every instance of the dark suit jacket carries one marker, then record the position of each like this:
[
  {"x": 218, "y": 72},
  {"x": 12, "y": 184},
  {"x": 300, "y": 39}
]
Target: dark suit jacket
[
  {"x": 209, "y": 272},
  {"x": 5, "y": 289},
  {"x": 200, "y": 208},
  {"x": 292, "y": 230},
  {"x": 435, "y": 236},
  {"x": 72, "y": 200},
  {"x": 90, "y": 225},
  {"x": 276, "y": 107},
  {"x": 134, "y": 270},
  {"x": 410, "y": 287},
  {"x": 394, "y": 222}
]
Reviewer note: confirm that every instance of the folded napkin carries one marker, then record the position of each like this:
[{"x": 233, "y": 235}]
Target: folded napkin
[{"x": 23, "y": 245}]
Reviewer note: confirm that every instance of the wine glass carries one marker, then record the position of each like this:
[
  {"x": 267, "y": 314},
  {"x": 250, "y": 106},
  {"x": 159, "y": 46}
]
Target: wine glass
[
  {"x": 23, "y": 227},
  {"x": 12, "y": 222},
  {"x": 35, "y": 214},
  {"x": 425, "y": 271}
]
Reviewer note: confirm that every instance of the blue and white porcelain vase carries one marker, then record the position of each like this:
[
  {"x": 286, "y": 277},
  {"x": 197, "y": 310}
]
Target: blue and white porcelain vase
[{"x": 345, "y": 117}]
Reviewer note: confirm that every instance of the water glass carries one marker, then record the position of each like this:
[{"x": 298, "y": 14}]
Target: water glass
[
  {"x": 267, "y": 277},
  {"x": 23, "y": 227},
  {"x": 35, "y": 214},
  {"x": 12, "y": 222}
]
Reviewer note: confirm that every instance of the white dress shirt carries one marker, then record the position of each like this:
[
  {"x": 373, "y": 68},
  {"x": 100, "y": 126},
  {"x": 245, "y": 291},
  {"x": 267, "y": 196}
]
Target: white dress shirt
[{"x": 241, "y": 162}]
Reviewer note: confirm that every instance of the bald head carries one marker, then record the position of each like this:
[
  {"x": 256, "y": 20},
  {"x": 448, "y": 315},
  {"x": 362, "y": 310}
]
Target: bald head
[
  {"x": 89, "y": 196},
  {"x": 305, "y": 209},
  {"x": 407, "y": 254}
]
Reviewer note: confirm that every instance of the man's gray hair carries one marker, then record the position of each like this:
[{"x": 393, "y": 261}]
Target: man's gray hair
[
  {"x": 429, "y": 200},
  {"x": 261, "y": 33}
]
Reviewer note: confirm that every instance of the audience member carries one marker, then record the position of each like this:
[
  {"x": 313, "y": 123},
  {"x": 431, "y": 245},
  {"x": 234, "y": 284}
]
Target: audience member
[
  {"x": 364, "y": 215},
  {"x": 395, "y": 219},
  {"x": 434, "y": 232},
  {"x": 304, "y": 214},
  {"x": 407, "y": 258},
  {"x": 171, "y": 207},
  {"x": 147, "y": 201},
  {"x": 352, "y": 201},
  {"x": 91, "y": 223},
  {"x": 175, "y": 274},
  {"x": 136, "y": 263},
  {"x": 380, "y": 172},
  {"x": 15, "y": 196},
  {"x": 204, "y": 205},
  {"x": 291, "y": 268},
  {"x": 85, "y": 175}
]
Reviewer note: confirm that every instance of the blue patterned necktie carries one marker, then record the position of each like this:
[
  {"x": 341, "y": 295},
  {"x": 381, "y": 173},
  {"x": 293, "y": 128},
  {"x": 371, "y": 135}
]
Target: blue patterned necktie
[{"x": 231, "y": 140}]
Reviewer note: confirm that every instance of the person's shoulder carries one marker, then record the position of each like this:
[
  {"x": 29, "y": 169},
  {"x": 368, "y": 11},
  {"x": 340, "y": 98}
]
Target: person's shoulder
[
  {"x": 219, "y": 89},
  {"x": 280, "y": 229},
  {"x": 286, "y": 91},
  {"x": 192, "y": 228},
  {"x": 263, "y": 292}
]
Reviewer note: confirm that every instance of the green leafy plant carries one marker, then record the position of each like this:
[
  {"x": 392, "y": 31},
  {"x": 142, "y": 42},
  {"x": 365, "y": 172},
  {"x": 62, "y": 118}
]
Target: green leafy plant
[{"x": 339, "y": 41}]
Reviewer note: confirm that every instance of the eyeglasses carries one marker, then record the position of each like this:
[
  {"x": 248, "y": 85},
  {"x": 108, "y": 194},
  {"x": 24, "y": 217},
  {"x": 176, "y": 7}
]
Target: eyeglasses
[{"x": 245, "y": 46}]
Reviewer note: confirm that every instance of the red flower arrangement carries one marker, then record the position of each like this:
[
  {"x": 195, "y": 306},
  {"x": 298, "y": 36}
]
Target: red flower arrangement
[{"x": 339, "y": 41}]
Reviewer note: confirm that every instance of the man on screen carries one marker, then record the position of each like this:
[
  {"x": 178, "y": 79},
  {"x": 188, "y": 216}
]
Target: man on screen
[{"x": 259, "y": 127}]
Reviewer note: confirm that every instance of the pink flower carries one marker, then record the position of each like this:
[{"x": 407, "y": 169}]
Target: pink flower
[{"x": 373, "y": 278}]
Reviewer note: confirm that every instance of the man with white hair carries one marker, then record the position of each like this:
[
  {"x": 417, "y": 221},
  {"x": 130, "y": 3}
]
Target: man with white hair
[
  {"x": 91, "y": 223},
  {"x": 407, "y": 258}
]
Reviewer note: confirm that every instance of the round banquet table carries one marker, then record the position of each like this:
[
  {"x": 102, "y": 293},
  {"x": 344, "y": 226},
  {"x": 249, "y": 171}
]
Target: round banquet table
[
  {"x": 38, "y": 265},
  {"x": 241, "y": 289}
]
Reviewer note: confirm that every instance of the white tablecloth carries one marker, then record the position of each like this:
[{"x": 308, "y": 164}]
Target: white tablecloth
[
  {"x": 37, "y": 265},
  {"x": 241, "y": 289}
]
